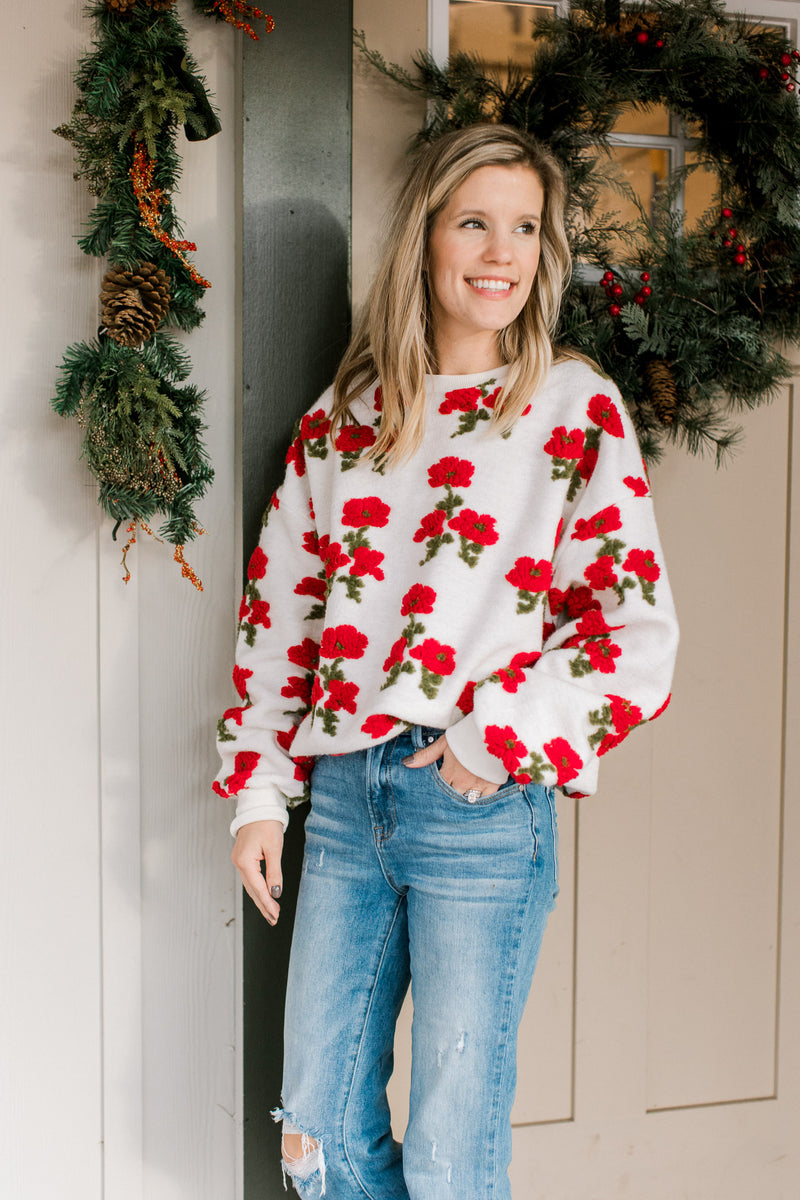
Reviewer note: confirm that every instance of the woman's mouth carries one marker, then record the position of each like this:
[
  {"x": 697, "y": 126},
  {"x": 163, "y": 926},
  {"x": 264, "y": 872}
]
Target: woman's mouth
[{"x": 500, "y": 286}]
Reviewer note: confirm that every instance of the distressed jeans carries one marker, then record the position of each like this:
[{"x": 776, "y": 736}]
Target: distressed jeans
[{"x": 404, "y": 880}]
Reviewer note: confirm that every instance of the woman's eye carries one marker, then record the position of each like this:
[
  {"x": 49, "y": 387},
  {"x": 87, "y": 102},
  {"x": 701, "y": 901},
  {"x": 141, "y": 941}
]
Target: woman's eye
[
  {"x": 472, "y": 223},
  {"x": 527, "y": 227}
]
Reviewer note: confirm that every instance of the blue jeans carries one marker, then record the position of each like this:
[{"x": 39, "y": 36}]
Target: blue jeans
[{"x": 403, "y": 879}]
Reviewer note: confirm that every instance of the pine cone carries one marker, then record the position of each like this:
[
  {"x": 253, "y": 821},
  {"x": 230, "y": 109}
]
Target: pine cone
[
  {"x": 134, "y": 303},
  {"x": 661, "y": 389},
  {"x": 120, "y": 7},
  {"x": 160, "y": 5}
]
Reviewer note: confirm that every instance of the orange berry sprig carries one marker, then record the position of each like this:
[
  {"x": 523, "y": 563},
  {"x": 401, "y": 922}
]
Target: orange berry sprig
[
  {"x": 151, "y": 200},
  {"x": 233, "y": 10},
  {"x": 186, "y": 571}
]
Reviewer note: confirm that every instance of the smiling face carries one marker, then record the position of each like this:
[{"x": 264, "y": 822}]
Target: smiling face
[{"x": 483, "y": 252}]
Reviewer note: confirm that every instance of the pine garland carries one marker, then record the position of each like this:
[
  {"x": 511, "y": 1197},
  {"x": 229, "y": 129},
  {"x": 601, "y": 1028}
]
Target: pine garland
[
  {"x": 711, "y": 304},
  {"x": 138, "y": 86}
]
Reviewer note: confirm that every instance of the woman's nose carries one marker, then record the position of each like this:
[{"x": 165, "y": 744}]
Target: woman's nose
[{"x": 498, "y": 248}]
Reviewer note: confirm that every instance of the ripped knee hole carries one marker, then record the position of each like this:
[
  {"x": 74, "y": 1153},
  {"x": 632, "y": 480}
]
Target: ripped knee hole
[{"x": 297, "y": 1146}]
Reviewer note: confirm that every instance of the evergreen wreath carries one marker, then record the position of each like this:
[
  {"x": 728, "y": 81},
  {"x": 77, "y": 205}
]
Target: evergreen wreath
[
  {"x": 138, "y": 84},
  {"x": 688, "y": 321}
]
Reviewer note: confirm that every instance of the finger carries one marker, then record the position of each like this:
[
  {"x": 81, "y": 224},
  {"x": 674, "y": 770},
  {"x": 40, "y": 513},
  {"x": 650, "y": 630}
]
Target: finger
[
  {"x": 274, "y": 875},
  {"x": 256, "y": 886},
  {"x": 427, "y": 755}
]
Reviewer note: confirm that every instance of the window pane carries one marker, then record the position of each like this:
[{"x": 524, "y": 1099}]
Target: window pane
[
  {"x": 702, "y": 187},
  {"x": 644, "y": 169},
  {"x": 495, "y": 33},
  {"x": 650, "y": 121}
]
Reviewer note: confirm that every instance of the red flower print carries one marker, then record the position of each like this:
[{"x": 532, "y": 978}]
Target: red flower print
[
  {"x": 466, "y": 701},
  {"x": 601, "y": 574},
  {"x": 259, "y": 614},
  {"x": 244, "y": 764},
  {"x": 603, "y": 522},
  {"x": 593, "y": 624},
  {"x": 478, "y": 528},
  {"x": 343, "y": 641},
  {"x": 378, "y": 724},
  {"x": 565, "y": 445},
  {"x": 603, "y": 411},
  {"x": 332, "y": 555},
  {"x": 368, "y": 511},
  {"x": 314, "y": 425},
  {"x": 377, "y": 399},
  {"x": 503, "y": 742},
  {"x": 588, "y": 463},
  {"x": 303, "y": 766},
  {"x": 367, "y": 562},
  {"x": 528, "y": 575},
  {"x": 430, "y": 526},
  {"x": 244, "y": 608},
  {"x": 311, "y": 543},
  {"x": 297, "y": 686},
  {"x": 513, "y": 675},
  {"x": 490, "y": 400},
  {"x": 240, "y": 678},
  {"x": 396, "y": 654},
  {"x": 438, "y": 658},
  {"x": 233, "y": 714},
  {"x": 643, "y": 564},
  {"x": 624, "y": 714},
  {"x": 548, "y": 629},
  {"x": 296, "y": 457},
  {"x": 565, "y": 760},
  {"x": 257, "y": 567},
  {"x": 306, "y": 655},
  {"x": 601, "y": 655},
  {"x": 311, "y": 586},
  {"x": 451, "y": 472},
  {"x": 285, "y": 737},
  {"x": 663, "y": 707},
  {"x": 460, "y": 400},
  {"x": 609, "y": 742},
  {"x": 351, "y": 438},
  {"x": 576, "y": 601},
  {"x": 636, "y": 484},
  {"x": 341, "y": 695},
  {"x": 317, "y": 691},
  {"x": 418, "y": 599}
]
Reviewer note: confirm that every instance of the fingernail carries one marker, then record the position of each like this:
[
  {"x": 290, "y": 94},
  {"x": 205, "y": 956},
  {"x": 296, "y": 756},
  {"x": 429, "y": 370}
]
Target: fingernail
[
  {"x": 407, "y": 762},
  {"x": 275, "y": 891}
]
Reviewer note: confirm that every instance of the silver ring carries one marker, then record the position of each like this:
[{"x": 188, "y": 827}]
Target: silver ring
[{"x": 472, "y": 795}]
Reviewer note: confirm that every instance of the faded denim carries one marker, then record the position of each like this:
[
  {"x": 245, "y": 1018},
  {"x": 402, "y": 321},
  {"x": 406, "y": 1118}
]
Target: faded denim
[{"x": 403, "y": 879}]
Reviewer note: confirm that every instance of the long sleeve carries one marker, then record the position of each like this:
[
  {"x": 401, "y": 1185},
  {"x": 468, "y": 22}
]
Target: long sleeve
[
  {"x": 610, "y": 632},
  {"x": 280, "y": 622}
]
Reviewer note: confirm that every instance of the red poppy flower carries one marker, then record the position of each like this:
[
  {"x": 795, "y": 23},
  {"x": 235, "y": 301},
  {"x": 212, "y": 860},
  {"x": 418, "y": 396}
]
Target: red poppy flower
[
  {"x": 311, "y": 587},
  {"x": 490, "y": 400},
  {"x": 259, "y": 614},
  {"x": 306, "y": 655},
  {"x": 513, "y": 675},
  {"x": 604, "y": 412},
  {"x": 624, "y": 714},
  {"x": 343, "y": 641},
  {"x": 311, "y": 543},
  {"x": 314, "y": 425},
  {"x": 603, "y": 522},
  {"x": 285, "y": 737},
  {"x": 299, "y": 686},
  {"x": 478, "y": 528},
  {"x": 565, "y": 760},
  {"x": 418, "y": 599},
  {"x": 369, "y": 510},
  {"x": 274, "y": 502},
  {"x": 438, "y": 658},
  {"x": 430, "y": 526},
  {"x": 303, "y": 766},
  {"x": 451, "y": 472},
  {"x": 503, "y": 742},
  {"x": 601, "y": 574},
  {"x": 296, "y": 457},
  {"x": 317, "y": 691},
  {"x": 378, "y": 724},
  {"x": 548, "y": 629},
  {"x": 257, "y": 567},
  {"x": 460, "y": 400},
  {"x": 244, "y": 608},
  {"x": 588, "y": 463},
  {"x": 341, "y": 695},
  {"x": 643, "y": 564},
  {"x": 528, "y": 575},
  {"x": 354, "y": 437},
  {"x": 610, "y": 741},
  {"x": 395, "y": 654},
  {"x": 601, "y": 655},
  {"x": 234, "y": 714},
  {"x": 466, "y": 701},
  {"x": 636, "y": 484},
  {"x": 244, "y": 764},
  {"x": 593, "y": 624},
  {"x": 240, "y": 678},
  {"x": 367, "y": 562},
  {"x": 332, "y": 555},
  {"x": 565, "y": 445}
]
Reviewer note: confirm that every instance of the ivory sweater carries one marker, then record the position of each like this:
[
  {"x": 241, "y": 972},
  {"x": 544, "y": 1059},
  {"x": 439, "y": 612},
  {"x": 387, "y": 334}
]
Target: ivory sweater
[{"x": 509, "y": 589}]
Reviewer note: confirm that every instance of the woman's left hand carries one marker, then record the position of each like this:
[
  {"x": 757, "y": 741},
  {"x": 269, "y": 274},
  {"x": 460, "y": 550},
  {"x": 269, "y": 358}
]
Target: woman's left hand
[{"x": 451, "y": 770}]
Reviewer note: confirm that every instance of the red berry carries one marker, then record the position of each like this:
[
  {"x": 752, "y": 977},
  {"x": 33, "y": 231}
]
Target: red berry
[
  {"x": 614, "y": 309},
  {"x": 639, "y": 298},
  {"x": 763, "y": 73},
  {"x": 647, "y": 291},
  {"x": 727, "y": 242},
  {"x": 784, "y": 76},
  {"x": 740, "y": 248},
  {"x": 726, "y": 212},
  {"x": 616, "y": 290},
  {"x": 785, "y": 59},
  {"x": 642, "y": 37},
  {"x": 732, "y": 233},
  {"x": 659, "y": 44},
  {"x": 790, "y": 87},
  {"x": 608, "y": 276},
  {"x": 645, "y": 276},
  {"x": 741, "y": 259},
  {"x": 796, "y": 54}
]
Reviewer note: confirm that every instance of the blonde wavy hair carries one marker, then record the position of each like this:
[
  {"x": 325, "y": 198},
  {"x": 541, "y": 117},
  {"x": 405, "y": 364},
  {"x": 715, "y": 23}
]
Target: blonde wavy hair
[{"x": 392, "y": 339}]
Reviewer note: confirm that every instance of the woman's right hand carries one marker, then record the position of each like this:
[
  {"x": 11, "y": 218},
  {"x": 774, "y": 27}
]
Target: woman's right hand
[{"x": 257, "y": 842}]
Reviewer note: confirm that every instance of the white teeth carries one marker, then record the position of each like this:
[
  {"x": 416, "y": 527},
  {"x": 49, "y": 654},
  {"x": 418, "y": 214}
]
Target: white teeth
[{"x": 491, "y": 285}]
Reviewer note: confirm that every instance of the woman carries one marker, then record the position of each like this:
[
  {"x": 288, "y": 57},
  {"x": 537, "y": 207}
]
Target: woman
[{"x": 457, "y": 605}]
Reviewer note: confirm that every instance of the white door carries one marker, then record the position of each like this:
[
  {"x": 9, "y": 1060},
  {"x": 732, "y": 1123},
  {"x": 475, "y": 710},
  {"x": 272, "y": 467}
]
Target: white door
[{"x": 660, "y": 1051}]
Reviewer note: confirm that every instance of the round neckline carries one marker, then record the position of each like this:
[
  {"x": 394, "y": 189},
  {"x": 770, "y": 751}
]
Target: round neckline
[{"x": 498, "y": 374}]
